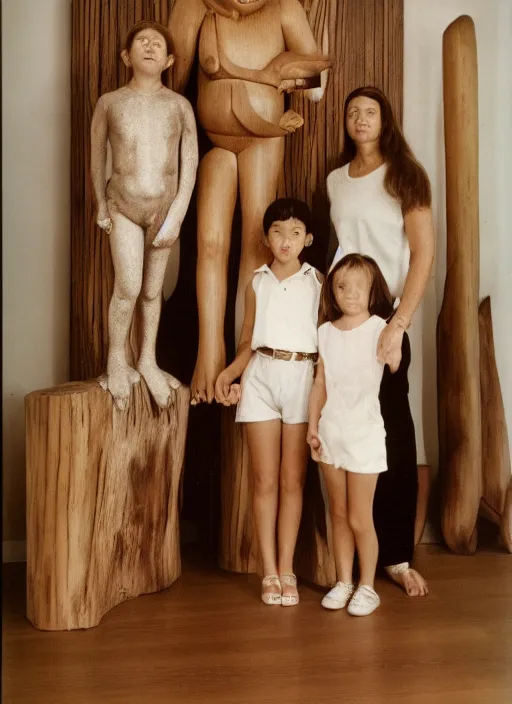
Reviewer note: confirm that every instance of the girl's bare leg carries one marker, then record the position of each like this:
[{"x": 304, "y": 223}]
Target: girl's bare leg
[
  {"x": 361, "y": 490},
  {"x": 342, "y": 536}
]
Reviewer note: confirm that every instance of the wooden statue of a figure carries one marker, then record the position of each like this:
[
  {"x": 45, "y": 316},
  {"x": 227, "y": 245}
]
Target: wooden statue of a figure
[
  {"x": 251, "y": 52},
  {"x": 152, "y": 133}
]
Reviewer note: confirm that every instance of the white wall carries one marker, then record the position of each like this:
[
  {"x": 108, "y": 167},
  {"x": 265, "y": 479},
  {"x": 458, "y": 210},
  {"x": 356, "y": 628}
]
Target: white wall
[
  {"x": 36, "y": 45},
  {"x": 424, "y": 24}
]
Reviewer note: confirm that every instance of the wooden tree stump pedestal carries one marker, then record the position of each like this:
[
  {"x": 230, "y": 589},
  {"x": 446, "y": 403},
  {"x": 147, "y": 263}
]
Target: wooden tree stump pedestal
[{"x": 102, "y": 501}]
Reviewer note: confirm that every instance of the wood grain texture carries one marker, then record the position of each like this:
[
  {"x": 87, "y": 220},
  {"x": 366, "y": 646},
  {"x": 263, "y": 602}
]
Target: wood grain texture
[
  {"x": 496, "y": 469},
  {"x": 458, "y": 365},
  {"x": 102, "y": 501},
  {"x": 211, "y": 640},
  {"x": 238, "y": 544}
]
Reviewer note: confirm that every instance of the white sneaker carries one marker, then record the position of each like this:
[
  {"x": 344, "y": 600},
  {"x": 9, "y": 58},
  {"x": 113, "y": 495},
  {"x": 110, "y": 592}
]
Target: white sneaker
[
  {"x": 339, "y": 596},
  {"x": 364, "y": 602}
]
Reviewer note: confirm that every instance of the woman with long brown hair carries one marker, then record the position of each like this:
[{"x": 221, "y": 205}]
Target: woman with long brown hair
[{"x": 381, "y": 206}]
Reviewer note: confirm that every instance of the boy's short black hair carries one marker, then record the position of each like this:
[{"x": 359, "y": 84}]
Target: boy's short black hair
[{"x": 284, "y": 209}]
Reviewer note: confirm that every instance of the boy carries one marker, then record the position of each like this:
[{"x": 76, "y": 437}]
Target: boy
[
  {"x": 152, "y": 133},
  {"x": 277, "y": 350}
]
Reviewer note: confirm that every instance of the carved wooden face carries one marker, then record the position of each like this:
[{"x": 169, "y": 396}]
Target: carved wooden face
[{"x": 243, "y": 7}]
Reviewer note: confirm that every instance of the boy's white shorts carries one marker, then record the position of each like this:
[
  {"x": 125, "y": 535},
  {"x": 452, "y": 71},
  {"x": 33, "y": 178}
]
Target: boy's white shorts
[{"x": 275, "y": 389}]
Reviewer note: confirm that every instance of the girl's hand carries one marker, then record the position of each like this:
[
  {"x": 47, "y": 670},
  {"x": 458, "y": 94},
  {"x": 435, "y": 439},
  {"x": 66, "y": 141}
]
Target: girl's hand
[
  {"x": 313, "y": 440},
  {"x": 223, "y": 388},
  {"x": 389, "y": 348}
]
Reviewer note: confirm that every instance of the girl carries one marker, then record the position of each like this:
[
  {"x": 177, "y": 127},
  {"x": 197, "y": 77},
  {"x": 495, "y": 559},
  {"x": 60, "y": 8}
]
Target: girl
[
  {"x": 381, "y": 206},
  {"x": 346, "y": 431},
  {"x": 277, "y": 350}
]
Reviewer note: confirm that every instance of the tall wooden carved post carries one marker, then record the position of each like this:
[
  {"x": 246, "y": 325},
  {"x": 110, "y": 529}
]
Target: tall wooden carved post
[
  {"x": 102, "y": 484},
  {"x": 458, "y": 364}
]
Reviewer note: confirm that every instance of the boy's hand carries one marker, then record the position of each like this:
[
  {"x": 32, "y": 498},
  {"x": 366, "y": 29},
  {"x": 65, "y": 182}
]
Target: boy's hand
[{"x": 288, "y": 85}]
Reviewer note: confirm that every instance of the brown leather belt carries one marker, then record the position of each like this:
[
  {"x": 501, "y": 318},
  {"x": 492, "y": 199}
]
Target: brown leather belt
[{"x": 288, "y": 356}]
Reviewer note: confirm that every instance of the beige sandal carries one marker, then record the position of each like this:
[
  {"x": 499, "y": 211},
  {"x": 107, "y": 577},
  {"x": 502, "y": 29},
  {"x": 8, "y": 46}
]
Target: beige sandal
[
  {"x": 289, "y": 580},
  {"x": 271, "y": 580}
]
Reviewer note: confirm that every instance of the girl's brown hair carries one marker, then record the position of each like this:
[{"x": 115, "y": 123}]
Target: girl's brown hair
[
  {"x": 380, "y": 302},
  {"x": 406, "y": 180}
]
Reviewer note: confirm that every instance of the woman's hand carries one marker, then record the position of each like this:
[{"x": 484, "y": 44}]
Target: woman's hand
[{"x": 389, "y": 348}]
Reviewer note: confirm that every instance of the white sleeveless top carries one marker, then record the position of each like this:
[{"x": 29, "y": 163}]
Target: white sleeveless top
[
  {"x": 352, "y": 372},
  {"x": 369, "y": 221},
  {"x": 286, "y": 311}
]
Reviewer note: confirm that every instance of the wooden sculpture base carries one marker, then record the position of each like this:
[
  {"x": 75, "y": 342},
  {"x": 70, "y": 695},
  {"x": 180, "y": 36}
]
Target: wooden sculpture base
[
  {"x": 238, "y": 548},
  {"x": 102, "y": 501}
]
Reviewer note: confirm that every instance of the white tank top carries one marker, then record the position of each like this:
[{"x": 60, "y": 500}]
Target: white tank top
[
  {"x": 352, "y": 372},
  {"x": 286, "y": 311},
  {"x": 369, "y": 221}
]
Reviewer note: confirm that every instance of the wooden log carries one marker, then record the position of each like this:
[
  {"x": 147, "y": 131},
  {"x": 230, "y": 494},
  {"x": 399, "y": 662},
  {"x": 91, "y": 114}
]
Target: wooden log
[
  {"x": 238, "y": 544},
  {"x": 496, "y": 469},
  {"x": 102, "y": 501},
  {"x": 460, "y": 436},
  {"x": 506, "y": 519}
]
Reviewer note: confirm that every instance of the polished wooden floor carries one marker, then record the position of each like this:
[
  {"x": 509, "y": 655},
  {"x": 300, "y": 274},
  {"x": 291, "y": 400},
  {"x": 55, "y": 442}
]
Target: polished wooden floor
[{"x": 210, "y": 639}]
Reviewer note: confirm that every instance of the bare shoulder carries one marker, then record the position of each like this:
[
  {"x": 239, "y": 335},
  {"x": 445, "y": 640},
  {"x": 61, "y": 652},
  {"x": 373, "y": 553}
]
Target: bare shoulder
[{"x": 114, "y": 96}]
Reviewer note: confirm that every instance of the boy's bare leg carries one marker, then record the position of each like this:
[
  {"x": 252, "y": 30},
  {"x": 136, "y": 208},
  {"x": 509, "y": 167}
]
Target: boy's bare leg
[
  {"x": 264, "y": 441},
  {"x": 159, "y": 382},
  {"x": 216, "y": 200},
  {"x": 259, "y": 166},
  {"x": 127, "y": 250},
  {"x": 294, "y": 460}
]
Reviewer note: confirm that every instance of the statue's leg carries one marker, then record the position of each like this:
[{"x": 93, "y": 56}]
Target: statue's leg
[
  {"x": 127, "y": 250},
  {"x": 158, "y": 381},
  {"x": 216, "y": 198},
  {"x": 259, "y": 166}
]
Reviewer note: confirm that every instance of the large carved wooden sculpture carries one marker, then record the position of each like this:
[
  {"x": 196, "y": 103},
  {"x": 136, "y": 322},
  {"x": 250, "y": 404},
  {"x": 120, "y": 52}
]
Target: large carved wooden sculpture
[
  {"x": 458, "y": 364},
  {"x": 496, "y": 470},
  {"x": 250, "y": 53},
  {"x": 474, "y": 455},
  {"x": 104, "y": 469}
]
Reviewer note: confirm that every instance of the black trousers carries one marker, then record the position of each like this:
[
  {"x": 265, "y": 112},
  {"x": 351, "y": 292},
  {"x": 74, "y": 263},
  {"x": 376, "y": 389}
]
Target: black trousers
[{"x": 394, "y": 506}]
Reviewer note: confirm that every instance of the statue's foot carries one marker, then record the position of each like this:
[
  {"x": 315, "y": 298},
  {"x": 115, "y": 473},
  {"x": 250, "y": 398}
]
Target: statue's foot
[
  {"x": 119, "y": 380},
  {"x": 159, "y": 383},
  {"x": 411, "y": 581},
  {"x": 208, "y": 367}
]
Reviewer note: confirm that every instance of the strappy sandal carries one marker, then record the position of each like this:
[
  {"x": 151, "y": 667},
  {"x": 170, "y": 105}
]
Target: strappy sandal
[
  {"x": 289, "y": 580},
  {"x": 271, "y": 580}
]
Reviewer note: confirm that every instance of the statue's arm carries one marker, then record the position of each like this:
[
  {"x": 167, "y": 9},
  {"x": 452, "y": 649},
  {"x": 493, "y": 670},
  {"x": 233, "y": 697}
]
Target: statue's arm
[
  {"x": 184, "y": 24},
  {"x": 299, "y": 39},
  {"x": 297, "y": 33},
  {"x": 189, "y": 157},
  {"x": 99, "y": 137}
]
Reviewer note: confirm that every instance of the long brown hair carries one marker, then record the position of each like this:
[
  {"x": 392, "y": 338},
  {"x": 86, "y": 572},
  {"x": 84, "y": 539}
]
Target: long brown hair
[
  {"x": 380, "y": 302},
  {"x": 406, "y": 179}
]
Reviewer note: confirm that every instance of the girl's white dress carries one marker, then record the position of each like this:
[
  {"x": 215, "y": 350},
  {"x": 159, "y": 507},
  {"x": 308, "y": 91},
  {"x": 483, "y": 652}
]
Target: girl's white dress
[{"x": 351, "y": 428}]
